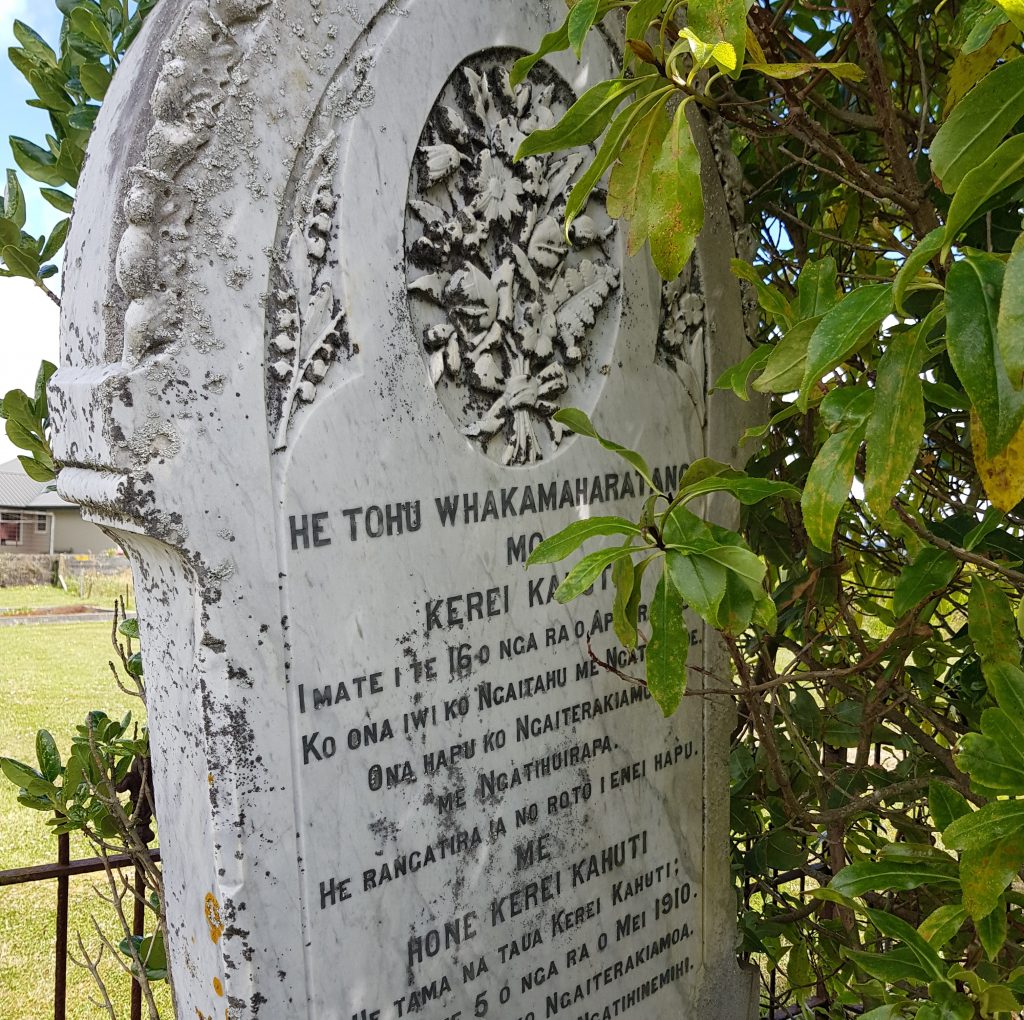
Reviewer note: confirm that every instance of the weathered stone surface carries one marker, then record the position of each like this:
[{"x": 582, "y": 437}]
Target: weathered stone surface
[{"x": 315, "y": 327}]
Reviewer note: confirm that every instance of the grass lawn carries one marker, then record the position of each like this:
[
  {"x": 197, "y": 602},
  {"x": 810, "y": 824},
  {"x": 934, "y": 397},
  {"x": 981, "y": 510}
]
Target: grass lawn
[
  {"x": 94, "y": 590},
  {"x": 50, "y": 677}
]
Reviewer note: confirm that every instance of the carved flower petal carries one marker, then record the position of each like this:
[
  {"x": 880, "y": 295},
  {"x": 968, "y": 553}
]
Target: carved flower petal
[
  {"x": 488, "y": 372},
  {"x": 283, "y": 342},
  {"x": 307, "y": 391},
  {"x": 281, "y": 369},
  {"x": 547, "y": 245},
  {"x": 438, "y": 336},
  {"x": 436, "y": 367},
  {"x": 442, "y": 161}
]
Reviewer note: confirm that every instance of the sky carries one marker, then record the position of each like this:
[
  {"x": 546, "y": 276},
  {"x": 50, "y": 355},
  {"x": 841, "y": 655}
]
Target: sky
[{"x": 28, "y": 319}]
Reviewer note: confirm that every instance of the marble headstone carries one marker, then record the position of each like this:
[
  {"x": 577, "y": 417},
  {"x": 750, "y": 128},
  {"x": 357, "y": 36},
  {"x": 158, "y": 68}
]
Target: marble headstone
[{"x": 316, "y": 324}]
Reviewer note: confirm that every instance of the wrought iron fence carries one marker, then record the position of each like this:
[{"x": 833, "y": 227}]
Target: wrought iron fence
[{"x": 61, "y": 872}]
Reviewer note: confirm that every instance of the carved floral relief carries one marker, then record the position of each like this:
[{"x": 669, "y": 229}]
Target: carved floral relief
[{"x": 504, "y": 304}]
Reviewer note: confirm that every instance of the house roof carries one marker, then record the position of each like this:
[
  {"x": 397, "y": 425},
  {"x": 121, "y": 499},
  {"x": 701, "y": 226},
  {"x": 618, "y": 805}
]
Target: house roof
[{"x": 19, "y": 492}]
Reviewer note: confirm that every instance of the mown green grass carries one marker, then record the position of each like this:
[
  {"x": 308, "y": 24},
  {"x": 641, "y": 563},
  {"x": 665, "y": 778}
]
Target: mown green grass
[
  {"x": 92, "y": 589},
  {"x": 50, "y": 676}
]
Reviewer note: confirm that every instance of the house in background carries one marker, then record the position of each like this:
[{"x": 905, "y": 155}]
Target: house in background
[{"x": 34, "y": 520}]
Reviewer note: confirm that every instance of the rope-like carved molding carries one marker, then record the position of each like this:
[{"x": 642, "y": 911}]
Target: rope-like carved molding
[{"x": 193, "y": 83}]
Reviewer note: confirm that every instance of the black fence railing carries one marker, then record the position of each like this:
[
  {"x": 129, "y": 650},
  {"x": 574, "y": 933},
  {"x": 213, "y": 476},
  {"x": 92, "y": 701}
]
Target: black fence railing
[{"x": 61, "y": 872}]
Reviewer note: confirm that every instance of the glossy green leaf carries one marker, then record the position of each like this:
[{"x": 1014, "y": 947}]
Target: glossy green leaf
[
  {"x": 991, "y": 623},
  {"x": 720, "y": 21},
  {"x": 917, "y": 260},
  {"x": 632, "y": 177},
  {"x": 931, "y": 570},
  {"x": 675, "y": 213},
  {"x": 56, "y": 240},
  {"x": 946, "y": 805},
  {"x": 553, "y": 42},
  {"x": 747, "y": 490},
  {"x": 47, "y": 755},
  {"x": 828, "y": 485},
  {"x": 14, "y": 201},
  {"x": 578, "y": 422},
  {"x": 640, "y": 16},
  {"x": 58, "y": 199},
  {"x": 973, "y": 288},
  {"x": 896, "y": 928},
  {"x": 581, "y": 21},
  {"x": 844, "y": 330},
  {"x": 896, "y": 426},
  {"x": 816, "y": 289},
  {"x": 787, "y": 366},
  {"x": 992, "y": 930},
  {"x": 1010, "y": 320},
  {"x": 841, "y": 70},
  {"x": 942, "y": 924},
  {"x": 978, "y": 123},
  {"x": 1004, "y": 167},
  {"x": 588, "y": 570},
  {"x": 769, "y": 298},
  {"x": 570, "y": 538},
  {"x": 701, "y": 582},
  {"x": 19, "y": 262},
  {"x": 668, "y": 647},
  {"x": 584, "y": 121},
  {"x": 38, "y": 163},
  {"x": 883, "y": 875},
  {"x": 737, "y": 378},
  {"x": 95, "y": 79},
  {"x": 893, "y": 967},
  {"x": 623, "y": 579}
]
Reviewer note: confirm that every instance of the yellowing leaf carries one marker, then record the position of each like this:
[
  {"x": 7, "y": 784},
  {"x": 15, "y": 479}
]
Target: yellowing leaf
[
  {"x": 969, "y": 68},
  {"x": 1014, "y": 10},
  {"x": 1003, "y": 474},
  {"x": 851, "y": 72}
]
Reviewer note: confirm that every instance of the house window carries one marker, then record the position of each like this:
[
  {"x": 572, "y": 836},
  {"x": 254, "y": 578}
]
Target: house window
[
  {"x": 41, "y": 524},
  {"x": 10, "y": 529}
]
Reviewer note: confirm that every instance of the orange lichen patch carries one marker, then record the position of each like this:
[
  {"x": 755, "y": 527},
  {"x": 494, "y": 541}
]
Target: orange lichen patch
[
  {"x": 209, "y": 778},
  {"x": 218, "y": 986},
  {"x": 202, "y": 1016},
  {"x": 213, "y": 920}
]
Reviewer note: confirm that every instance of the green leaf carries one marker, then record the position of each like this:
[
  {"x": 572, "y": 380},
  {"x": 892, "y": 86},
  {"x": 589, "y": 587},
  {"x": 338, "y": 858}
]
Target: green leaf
[
  {"x": 930, "y": 246},
  {"x": 1004, "y": 167},
  {"x": 816, "y": 289},
  {"x": 986, "y": 827},
  {"x": 56, "y": 240},
  {"x": 34, "y": 43},
  {"x": 701, "y": 582},
  {"x": 58, "y": 199},
  {"x": 614, "y": 139},
  {"x": 896, "y": 426},
  {"x": 942, "y": 924},
  {"x": 1010, "y": 321},
  {"x": 640, "y": 16},
  {"x": 581, "y": 21},
  {"x": 844, "y": 330},
  {"x": 787, "y": 365},
  {"x": 95, "y": 79},
  {"x": 668, "y": 647},
  {"x": 574, "y": 419},
  {"x": 14, "y": 201},
  {"x": 828, "y": 485},
  {"x": 884, "y": 875},
  {"x": 584, "y": 121},
  {"x": 747, "y": 490},
  {"x": 992, "y": 930},
  {"x": 588, "y": 570},
  {"x": 931, "y": 570},
  {"x": 896, "y": 928},
  {"x": 47, "y": 755},
  {"x": 892, "y": 967},
  {"x": 674, "y": 214},
  {"x": 946, "y": 805},
  {"x": 19, "y": 773},
  {"x": 623, "y": 577},
  {"x": 769, "y": 298},
  {"x": 631, "y": 179},
  {"x": 1014, "y": 10},
  {"x": 840, "y": 70},
  {"x": 570, "y": 538},
  {"x": 38, "y": 163},
  {"x": 19, "y": 262},
  {"x": 720, "y": 21},
  {"x": 978, "y": 123},
  {"x": 740, "y": 561},
  {"x": 973, "y": 288},
  {"x": 553, "y": 42},
  {"x": 991, "y": 623},
  {"x": 737, "y": 378}
]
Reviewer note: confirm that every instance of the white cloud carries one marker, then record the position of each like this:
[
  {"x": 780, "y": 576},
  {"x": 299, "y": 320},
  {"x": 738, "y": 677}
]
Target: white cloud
[{"x": 29, "y": 332}]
